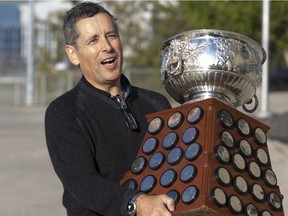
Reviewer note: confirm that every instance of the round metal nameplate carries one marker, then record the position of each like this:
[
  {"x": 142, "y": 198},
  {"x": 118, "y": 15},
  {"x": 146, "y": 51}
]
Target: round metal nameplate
[
  {"x": 150, "y": 145},
  {"x": 175, "y": 120},
  {"x": 258, "y": 192},
  {"x": 156, "y": 160},
  {"x": 188, "y": 173},
  {"x": 243, "y": 127},
  {"x": 235, "y": 205},
  {"x": 193, "y": 151},
  {"x": 190, "y": 135},
  {"x": 241, "y": 185},
  {"x": 219, "y": 197},
  {"x": 175, "y": 156},
  {"x": 251, "y": 210},
  {"x": 238, "y": 162},
  {"x": 189, "y": 194},
  {"x": 138, "y": 165},
  {"x": 260, "y": 136},
  {"x": 195, "y": 115},
  {"x": 275, "y": 201},
  {"x": 148, "y": 184},
  {"x": 155, "y": 126},
  {"x": 266, "y": 213},
  {"x": 170, "y": 140},
  {"x": 245, "y": 148},
  {"x": 227, "y": 139},
  {"x": 223, "y": 176},
  {"x": 222, "y": 154},
  {"x": 174, "y": 195},
  {"x": 168, "y": 178},
  {"x": 130, "y": 183},
  {"x": 270, "y": 178},
  {"x": 254, "y": 170},
  {"x": 262, "y": 156},
  {"x": 226, "y": 119}
]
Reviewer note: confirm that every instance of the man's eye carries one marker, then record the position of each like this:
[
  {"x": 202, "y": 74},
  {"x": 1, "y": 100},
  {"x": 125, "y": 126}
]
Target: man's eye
[
  {"x": 93, "y": 41},
  {"x": 112, "y": 35}
]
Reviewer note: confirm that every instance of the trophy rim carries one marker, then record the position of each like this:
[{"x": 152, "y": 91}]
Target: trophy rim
[{"x": 214, "y": 33}]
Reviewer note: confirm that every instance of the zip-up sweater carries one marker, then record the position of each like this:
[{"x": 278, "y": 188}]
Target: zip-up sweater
[{"x": 91, "y": 147}]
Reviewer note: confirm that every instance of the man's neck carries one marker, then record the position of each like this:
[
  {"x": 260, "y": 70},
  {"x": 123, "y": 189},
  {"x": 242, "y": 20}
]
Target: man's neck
[{"x": 112, "y": 89}]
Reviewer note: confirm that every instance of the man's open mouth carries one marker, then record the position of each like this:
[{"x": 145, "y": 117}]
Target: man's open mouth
[{"x": 108, "y": 61}]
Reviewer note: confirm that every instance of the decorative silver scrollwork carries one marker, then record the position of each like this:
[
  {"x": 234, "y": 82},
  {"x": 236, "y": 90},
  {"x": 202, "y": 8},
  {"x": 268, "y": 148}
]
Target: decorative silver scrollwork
[{"x": 212, "y": 63}]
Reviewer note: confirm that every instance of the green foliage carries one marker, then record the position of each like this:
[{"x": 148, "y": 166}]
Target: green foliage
[
  {"x": 145, "y": 25},
  {"x": 278, "y": 33},
  {"x": 48, "y": 55},
  {"x": 239, "y": 16},
  {"x": 168, "y": 18},
  {"x": 244, "y": 17}
]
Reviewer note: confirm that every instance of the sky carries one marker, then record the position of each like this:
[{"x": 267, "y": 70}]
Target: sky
[{"x": 42, "y": 8}]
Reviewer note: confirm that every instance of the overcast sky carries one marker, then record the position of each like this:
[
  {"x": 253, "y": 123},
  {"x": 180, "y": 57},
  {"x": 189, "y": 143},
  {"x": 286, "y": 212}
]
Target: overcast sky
[{"x": 42, "y": 8}]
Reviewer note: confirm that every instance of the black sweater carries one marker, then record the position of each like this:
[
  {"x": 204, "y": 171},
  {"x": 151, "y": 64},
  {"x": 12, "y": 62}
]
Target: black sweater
[{"x": 91, "y": 147}]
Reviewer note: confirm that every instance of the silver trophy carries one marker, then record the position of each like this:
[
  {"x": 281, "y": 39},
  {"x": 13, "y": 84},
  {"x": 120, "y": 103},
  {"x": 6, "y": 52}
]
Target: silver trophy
[
  {"x": 206, "y": 63},
  {"x": 211, "y": 158}
]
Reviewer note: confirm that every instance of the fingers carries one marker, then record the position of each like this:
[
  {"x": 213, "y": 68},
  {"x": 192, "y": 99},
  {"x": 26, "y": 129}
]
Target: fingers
[
  {"x": 169, "y": 202},
  {"x": 158, "y": 205}
]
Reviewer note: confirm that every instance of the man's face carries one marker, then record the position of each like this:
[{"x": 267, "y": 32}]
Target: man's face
[{"x": 99, "y": 52}]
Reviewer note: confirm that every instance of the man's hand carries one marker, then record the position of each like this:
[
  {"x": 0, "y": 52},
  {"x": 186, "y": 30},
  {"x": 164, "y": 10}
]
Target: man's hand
[{"x": 154, "y": 205}]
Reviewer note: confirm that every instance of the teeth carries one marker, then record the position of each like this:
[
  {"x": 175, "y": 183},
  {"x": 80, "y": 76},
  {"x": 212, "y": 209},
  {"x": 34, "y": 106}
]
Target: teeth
[{"x": 108, "y": 60}]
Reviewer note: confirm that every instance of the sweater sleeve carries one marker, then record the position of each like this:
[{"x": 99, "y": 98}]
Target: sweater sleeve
[{"x": 76, "y": 167}]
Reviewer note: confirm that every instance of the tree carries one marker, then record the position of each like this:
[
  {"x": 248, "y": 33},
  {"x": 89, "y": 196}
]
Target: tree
[
  {"x": 167, "y": 18},
  {"x": 278, "y": 34},
  {"x": 238, "y": 16},
  {"x": 245, "y": 17},
  {"x": 51, "y": 50},
  {"x": 144, "y": 25}
]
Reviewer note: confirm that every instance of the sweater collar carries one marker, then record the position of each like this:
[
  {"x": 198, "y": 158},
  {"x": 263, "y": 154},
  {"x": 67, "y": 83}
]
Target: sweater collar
[{"x": 124, "y": 83}]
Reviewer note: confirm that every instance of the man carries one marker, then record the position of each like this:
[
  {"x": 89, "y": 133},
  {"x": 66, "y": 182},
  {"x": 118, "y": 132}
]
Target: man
[{"x": 94, "y": 131}]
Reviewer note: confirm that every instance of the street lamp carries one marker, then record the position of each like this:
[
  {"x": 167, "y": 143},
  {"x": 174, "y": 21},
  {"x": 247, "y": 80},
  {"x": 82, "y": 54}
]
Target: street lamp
[
  {"x": 29, "y": 100},
  {"x": 265, "y": 43}
]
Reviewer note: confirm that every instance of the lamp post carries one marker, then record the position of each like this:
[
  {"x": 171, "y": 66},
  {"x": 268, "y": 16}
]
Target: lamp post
[
  {"x": 29, "y": 100},
  {"x": 265, "y": 43}
]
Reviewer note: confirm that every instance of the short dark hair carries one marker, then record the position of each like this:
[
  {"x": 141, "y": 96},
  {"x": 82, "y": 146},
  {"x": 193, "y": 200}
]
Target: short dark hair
[{"x": 81, "y": 11}]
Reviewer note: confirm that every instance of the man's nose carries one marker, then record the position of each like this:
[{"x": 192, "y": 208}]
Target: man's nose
[{"x": 106, "y": 45}]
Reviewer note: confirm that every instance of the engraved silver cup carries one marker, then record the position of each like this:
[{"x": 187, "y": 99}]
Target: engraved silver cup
[{"x": 207, "y": 63}]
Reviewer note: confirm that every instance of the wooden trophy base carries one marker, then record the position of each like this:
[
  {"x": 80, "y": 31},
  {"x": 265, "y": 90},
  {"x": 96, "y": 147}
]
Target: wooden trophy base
[{"x": 210, "y": 158}]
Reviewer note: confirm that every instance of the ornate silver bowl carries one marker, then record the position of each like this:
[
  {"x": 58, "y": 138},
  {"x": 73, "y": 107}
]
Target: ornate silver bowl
[{"x": 207, "y": 63}]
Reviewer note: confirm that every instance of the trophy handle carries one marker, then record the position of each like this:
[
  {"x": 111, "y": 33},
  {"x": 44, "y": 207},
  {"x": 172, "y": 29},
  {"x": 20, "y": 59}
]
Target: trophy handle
[{"x": 256, "y": 102}]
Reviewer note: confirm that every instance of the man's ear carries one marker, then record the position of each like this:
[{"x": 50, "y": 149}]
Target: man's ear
[{"x": 72, "y": 54}]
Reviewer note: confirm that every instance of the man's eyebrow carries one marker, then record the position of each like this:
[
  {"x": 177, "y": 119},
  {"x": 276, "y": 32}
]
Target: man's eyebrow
[{"x": 113, "y": 31}]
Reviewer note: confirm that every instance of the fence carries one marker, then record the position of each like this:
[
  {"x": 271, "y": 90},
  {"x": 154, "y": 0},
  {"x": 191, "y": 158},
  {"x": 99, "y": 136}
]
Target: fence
[{"x": 49, "y": 86}]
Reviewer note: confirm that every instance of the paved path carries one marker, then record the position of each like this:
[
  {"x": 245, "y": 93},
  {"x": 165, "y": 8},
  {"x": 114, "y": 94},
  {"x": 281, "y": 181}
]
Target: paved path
[
  {"x": 279, "y": 158},
  {"x": 29, "y": 186}
]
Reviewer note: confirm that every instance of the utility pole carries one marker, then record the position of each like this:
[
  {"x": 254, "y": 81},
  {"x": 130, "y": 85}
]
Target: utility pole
[
  {"x": 265, "y": 43},
  {"x": 30, "y": 57}
]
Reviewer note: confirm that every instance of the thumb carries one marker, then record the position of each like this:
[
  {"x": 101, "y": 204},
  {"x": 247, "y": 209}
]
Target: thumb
[{"x": 169, "y": 202}]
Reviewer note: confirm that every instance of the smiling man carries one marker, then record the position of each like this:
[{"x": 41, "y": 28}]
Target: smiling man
[
  {"x": 94, "y": 131},
  {"x": 98, "y": 52}
]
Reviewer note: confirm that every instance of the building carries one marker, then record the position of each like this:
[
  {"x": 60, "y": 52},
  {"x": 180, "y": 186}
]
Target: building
[{"x": 10, "y": 36}]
